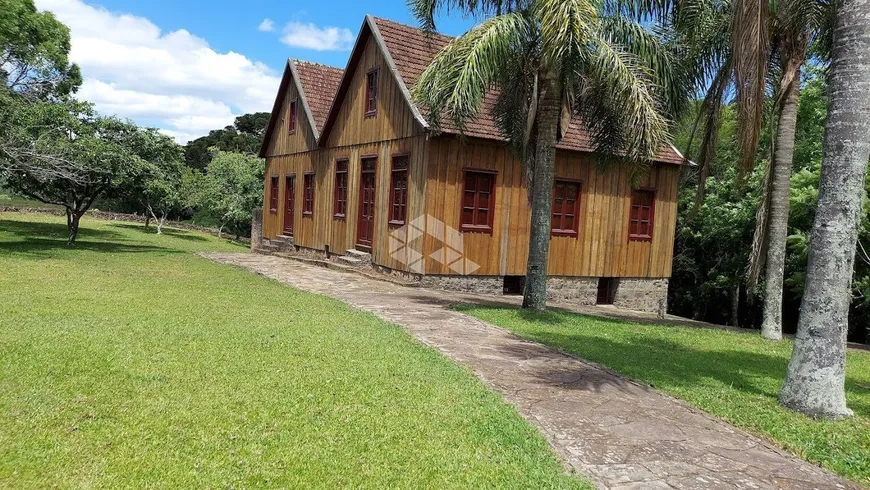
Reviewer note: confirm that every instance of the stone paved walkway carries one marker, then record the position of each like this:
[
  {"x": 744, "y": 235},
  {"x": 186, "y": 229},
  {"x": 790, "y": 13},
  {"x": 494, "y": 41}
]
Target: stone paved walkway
[{"x": 620, "y": 434}]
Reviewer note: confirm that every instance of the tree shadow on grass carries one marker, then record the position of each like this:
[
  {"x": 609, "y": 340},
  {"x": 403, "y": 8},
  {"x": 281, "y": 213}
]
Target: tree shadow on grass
[
  {"x": 47, "y": 248},
  {"x": 45, "y": 240},
  {"x": 173, "y": 232},
  {"x": 53, "y": 230},
  {"x": 641, "y": 354}
]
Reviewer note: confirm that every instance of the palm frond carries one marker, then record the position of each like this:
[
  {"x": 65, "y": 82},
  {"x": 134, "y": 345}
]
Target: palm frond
[
  {"x": 426, "y": 10},
  {"x": 821, "y": 45},
  {"x": 661, "y": 53},
  {"x": 566, "y": 27},
  {"x": 640, "y": 9},
  {"x": 456, "y": 82},
  {"x": 515, "y": 107},
  {"x": 705, "y": 34},
  {"x": 806, "y": 15},
  {"x": 711, "y": 111},
  {"x": 761, "y": 235},
  {"x": 750, "y": 39},
  {"x": 619, "y": 106}
]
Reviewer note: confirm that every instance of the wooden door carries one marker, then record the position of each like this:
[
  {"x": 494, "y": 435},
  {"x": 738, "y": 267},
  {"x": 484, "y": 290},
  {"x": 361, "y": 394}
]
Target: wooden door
[
  {"x": 289, "y": 204},
  {"x": 365, "y": 228}
]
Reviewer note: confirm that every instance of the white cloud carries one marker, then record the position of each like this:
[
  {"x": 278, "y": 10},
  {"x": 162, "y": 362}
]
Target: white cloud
[
  {"x": 266, "y": 26},
  {"x": 133, "y": 69},
  {"x": 181, "y": 137},
  {"x": 310, "y": 36}
]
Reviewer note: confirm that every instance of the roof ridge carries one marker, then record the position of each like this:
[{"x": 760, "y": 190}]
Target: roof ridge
[
  {"x": 324, "y": 65},
  {"x": 409, "y": 26}
]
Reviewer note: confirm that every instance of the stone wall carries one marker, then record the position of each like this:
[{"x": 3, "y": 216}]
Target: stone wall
[{"x": 650, "y": 295}]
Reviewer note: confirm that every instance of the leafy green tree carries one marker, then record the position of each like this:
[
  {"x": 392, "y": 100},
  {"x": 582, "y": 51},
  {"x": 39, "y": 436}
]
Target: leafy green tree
[
  {"x": 244, "y": 136},
  {"x": 254, "y": 124},
  {"x": 231, "y": 188},
  {"x": 158, "y": 189},
  {"x": 34, "y": 49},
  {"x": 34, "y": 68},
  {"x": 552, "y": 60},
  {"x": 67, "y": 155},
  {"x": 712, "y": 248},
  {"x": 161, "y": 193}
]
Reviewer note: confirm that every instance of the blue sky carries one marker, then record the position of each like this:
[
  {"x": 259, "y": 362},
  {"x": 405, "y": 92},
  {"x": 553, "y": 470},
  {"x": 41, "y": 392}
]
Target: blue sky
[
  {"x": 232, "y": 24},
  {"x": 188, "y": 66}
]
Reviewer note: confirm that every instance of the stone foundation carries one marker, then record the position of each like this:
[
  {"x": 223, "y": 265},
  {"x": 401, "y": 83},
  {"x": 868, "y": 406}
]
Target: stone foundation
[
  {"x": 310, "y": 253},
  {"x": 650, "y": 295},
  {"x": 466, "y": 284},
  {"x": 647, "y": 295},
  {"x": 639, "y": 294},
  {"x": 581, "y": 291},
  {"x": 405, "y": 276}
]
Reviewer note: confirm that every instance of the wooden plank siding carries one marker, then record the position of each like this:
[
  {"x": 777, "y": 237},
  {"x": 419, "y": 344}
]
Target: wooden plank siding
[
  {"x": 284, "y": 143},
  {"x": 322, "y": 229},
  {"x": 394, "y": 118},
  {"x": 602, "y": 247},
  {"x": 435, "y": 187}
]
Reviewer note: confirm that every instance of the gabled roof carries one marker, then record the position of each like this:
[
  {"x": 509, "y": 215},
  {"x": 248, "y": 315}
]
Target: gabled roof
[
  {"x": 319, "y": 84},
  {"x": 412, "y": 50},
  {"x": 316, "y": 85},
  {"x": 369, "y": 29},
  {"x": 407, "y": 51}
]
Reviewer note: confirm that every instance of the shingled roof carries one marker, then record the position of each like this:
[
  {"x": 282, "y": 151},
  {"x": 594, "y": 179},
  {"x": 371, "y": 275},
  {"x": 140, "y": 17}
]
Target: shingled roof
[
  {"x": 316, "y": 85},
  {"x": 409, "y": 51},
  {"x": 320, "y": 83},
  {"x": 412, "y": 50}
]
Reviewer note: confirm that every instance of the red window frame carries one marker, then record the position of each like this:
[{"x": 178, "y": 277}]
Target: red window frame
[
  {"x": 399, "y": 189},
  {"x": 477, "y": 205},
  {"x": 565, "y": 216},
  {"x": 273, "y": 194},
  {"x": 371, "y": 101},
  {"x": 308, "y": 194},
  {"x": 292, "y": 110},
  {"x": 642, "y": 215},
  {"x": 339, "y": 207}
]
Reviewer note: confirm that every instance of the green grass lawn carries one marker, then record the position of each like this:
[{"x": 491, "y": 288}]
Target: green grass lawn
[
  {"x": 127, "y": 362},
  {"x": 732, "y": 375}
]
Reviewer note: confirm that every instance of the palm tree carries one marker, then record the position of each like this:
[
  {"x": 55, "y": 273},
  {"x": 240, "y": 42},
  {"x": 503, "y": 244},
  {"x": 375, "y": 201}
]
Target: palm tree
[
  {"x": 797, "y": 23},
  {"x": 739, "y": 47},
  {"x": 726, "y": 47},
  {"x": 548, "y": 61},
  {"x": 816, "y": 374}
]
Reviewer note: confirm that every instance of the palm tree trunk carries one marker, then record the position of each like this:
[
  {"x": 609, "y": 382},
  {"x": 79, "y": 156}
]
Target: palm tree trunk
[
  {"x": 814, "y": 383},
  {"x": 549, "y": 109},
  {"x": 771, "y": 326}
]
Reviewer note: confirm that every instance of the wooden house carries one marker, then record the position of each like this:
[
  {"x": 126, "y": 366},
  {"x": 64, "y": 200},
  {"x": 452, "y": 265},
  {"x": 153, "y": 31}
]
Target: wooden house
[{"x": 353, "y": 169}]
